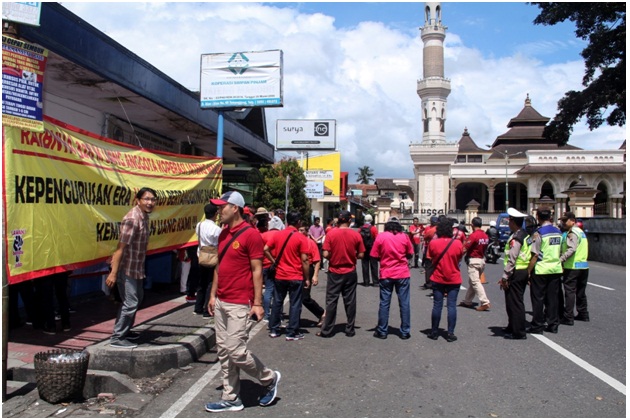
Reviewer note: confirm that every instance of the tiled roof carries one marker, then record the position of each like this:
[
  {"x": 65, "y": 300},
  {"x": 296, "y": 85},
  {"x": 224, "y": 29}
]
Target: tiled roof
[
  {"x": 526, "y": 128},
  {"x": 468, "y": 145},
  {"x": 386, "y": 184}
]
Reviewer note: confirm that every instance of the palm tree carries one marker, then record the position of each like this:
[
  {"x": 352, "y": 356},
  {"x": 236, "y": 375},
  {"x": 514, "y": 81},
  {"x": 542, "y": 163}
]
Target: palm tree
[{"x": 365, "y": 174}]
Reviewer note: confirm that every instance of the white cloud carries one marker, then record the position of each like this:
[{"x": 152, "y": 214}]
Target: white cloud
[{"x": 365, "y": 77}]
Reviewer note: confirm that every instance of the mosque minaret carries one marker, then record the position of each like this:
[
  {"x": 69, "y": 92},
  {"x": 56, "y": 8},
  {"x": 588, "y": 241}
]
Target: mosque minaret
[{"x": 433, "y": 89}]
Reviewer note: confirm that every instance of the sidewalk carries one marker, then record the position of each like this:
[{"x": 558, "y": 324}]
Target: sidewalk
[{"x": 171, "y": 336}]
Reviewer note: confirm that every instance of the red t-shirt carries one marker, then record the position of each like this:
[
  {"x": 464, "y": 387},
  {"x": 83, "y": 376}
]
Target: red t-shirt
[
  {"x": 416, "y": 233},
  {"x": 234, "y": 273},
  {"x": 428, "y": 234},
  {"x": 392, "y": 250},
  {"x": 343, "y": 244},
  {"x": 447, "y": 270},
  {"x": 476, "y": 244},
  {"x": 313, "y": 252},
  {"x": 266, "y": 236},
  {"x": 459, "y": 235},
  {"x": 290, "y": 265}
]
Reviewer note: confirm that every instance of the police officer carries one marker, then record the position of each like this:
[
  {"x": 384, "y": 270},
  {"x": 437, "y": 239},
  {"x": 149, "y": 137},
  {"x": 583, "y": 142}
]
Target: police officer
[
  {"x": 545, "y": 271},
  {"x": 515, "y": 275},
  {"x": 574, "y": 256}
]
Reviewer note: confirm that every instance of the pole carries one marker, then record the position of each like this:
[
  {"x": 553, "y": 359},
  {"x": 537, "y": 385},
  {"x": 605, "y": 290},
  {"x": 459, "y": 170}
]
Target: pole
[
  {"x": 507, "y": 200},
  {"x": 220, "y": 135},
  {"x": 286, "y": 197}
]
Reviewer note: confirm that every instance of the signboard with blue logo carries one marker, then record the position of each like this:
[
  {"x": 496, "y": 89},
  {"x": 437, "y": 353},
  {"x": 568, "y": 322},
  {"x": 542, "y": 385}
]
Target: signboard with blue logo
[
  {"x": 306, "y": 134},
  {"x": 241, "y": 79},
  {"x": 26, "y": 12}
]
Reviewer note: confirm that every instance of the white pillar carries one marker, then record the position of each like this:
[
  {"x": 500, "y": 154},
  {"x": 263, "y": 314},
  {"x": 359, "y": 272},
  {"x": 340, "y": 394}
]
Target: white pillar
[{"x": 490, "y": 199}]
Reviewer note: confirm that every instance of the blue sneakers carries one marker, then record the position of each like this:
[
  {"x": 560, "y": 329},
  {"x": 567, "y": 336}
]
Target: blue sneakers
[
  {"x": 224, "y": 405},
  {"x": 272, "y": 390}
]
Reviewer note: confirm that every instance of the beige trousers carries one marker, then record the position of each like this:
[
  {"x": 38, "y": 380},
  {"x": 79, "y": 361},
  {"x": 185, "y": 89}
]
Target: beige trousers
[
  {"x": 232, "y": 326},
  {"x": 475, "y": 268}
]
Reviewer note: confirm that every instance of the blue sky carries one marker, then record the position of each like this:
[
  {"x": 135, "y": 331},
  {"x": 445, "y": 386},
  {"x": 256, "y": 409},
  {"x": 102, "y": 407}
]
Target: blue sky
[{"x": 359, "y": 63}]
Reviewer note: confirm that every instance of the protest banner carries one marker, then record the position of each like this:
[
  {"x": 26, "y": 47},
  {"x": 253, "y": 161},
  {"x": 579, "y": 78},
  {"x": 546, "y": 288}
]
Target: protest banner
[{"x": 67, "y": 190}]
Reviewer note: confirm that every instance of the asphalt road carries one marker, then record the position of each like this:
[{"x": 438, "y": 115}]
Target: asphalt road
[{"x": 579, "y": 372}]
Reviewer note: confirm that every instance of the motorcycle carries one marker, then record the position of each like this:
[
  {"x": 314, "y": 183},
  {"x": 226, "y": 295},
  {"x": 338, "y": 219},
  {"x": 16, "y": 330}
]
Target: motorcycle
[{"x": 492, "y": 253}]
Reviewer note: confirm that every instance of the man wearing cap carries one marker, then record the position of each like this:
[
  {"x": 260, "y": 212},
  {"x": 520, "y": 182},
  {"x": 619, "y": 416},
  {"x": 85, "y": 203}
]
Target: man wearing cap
[
  {"x": 515, "y": 275},
  {"x": 291, "y": 275},
  {"x": 262, "y": 220},
  {"x": 236, "y": 303},
  {"x": 545, "y": 271},
  {"x": 343, "y": 246},
  {"x": 574, "y": 258},
  {"x": 474, "y": 249}
]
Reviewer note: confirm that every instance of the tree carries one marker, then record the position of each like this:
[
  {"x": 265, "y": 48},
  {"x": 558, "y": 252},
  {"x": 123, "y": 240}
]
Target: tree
[
  {"x": 365, "y": 174},
  {"x": 604, "y": 97},
  {"x": 271, "y": 192}
]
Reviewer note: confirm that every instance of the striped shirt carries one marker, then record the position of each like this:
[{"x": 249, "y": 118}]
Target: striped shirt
[{"x": 134, "y": 233}]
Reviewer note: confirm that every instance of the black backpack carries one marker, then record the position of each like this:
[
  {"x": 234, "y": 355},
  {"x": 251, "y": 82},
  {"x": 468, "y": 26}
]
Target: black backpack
[{"x": 366, "y": 234}]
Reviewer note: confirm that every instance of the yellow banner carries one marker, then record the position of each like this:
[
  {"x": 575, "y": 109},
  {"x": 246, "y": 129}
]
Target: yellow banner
[{"x": 66, "y": 192}]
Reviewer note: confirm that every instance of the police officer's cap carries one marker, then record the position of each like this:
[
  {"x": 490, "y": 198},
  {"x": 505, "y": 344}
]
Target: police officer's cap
[{"x": 512, "y": 212}]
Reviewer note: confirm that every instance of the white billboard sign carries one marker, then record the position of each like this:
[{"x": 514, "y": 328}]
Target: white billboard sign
[
  {"x": 241, "y": 79},
  {"x": 319, "y": 175},
  {"x": 26, "y": 12},
  {"x": 314, "y": 189},
  {"x": 306, "y": 134}
]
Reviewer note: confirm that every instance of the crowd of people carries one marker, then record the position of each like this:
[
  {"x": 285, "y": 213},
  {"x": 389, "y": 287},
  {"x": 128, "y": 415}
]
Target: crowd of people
[{"x": 262, "y": 257}]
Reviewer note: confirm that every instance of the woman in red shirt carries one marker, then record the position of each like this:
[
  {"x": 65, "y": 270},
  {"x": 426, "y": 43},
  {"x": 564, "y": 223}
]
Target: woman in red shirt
[{"x": 446, "y": 277}]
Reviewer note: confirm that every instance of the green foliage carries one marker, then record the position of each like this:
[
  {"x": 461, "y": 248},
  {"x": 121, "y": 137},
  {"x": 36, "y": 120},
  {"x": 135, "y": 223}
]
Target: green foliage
[
  {"x": 271, "y": 193},
  {"x": 604, "y": 97},
  {"x": 365, "y": 174}
]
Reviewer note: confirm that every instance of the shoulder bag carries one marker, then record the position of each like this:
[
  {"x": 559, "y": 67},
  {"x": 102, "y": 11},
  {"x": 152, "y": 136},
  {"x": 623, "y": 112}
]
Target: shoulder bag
[
  {"x": 227, "y": 246},
  {"x": 208, "y": 256},
  {"x": 271, "y": 271}
]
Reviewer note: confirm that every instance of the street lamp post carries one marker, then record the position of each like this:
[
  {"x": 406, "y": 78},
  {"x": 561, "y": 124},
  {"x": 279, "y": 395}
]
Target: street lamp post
[{"x": 506, "y": 156}]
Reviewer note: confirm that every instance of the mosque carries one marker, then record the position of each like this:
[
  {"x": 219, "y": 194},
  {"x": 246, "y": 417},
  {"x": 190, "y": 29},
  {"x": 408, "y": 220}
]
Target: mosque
[{"x": 520, "y": 169}]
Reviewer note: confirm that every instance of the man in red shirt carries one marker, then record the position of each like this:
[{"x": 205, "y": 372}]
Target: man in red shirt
[
  {"x": 415, "y": 231},
  {"x": 475, "y": 249},
  {"x": 343, "y": 246},
  {"x": 314, "y": 261},
  {"x": 236, "y": 302},
  {"x": 291, "y": 275}
]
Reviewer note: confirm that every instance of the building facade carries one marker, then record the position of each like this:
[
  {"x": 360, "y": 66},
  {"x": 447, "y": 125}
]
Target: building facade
[{"x": 519, "y": 169}]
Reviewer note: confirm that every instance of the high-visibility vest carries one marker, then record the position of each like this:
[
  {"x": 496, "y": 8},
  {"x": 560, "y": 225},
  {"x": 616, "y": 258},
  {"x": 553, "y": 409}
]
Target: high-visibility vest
[
  {"x": 579, "y": 260},
  {"x": 522, "y": 260},
  {"x": 549, "y": 257}
]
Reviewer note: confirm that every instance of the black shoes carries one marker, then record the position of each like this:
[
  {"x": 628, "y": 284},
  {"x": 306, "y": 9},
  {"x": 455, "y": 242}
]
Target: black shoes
[
  {"x": 553, "y": 330},
  {"x": 379, "y": 335},
  {"x": 510, "y": 336},
  {"x": 451, "y": 337},
  {"x": 405, "y": 336},
  {"x": 530, "y": 330},
  {"x": 433, "y": 335},
  {"x": 583, "y": 318},
  {"x": 350, "y": 333},
  {"x": 565, "y": 321}
]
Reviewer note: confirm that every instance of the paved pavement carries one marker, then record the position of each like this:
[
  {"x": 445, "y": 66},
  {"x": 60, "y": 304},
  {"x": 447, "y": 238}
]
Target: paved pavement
[{"x": 579, "y": 372}]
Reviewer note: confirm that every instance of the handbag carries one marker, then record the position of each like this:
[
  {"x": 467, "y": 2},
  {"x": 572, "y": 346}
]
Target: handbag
[
  {"x": 271, "y": 271},
  {"x": 433, "y": 264},
  {"x": 208, "y": 254}
]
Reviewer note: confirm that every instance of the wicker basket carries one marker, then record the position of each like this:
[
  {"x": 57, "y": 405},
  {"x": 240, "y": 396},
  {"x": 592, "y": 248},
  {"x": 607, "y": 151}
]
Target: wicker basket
[{"x": 60, "y": 380}]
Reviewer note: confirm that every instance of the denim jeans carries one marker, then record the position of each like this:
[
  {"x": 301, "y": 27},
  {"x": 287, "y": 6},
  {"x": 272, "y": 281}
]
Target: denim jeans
[
  {"x": 131, "y": 292},
  {"x": 294, "y": 289},
  {"x": 267, "y": 294},
  {"x": 451, "y": 292},
  {"x": 402, "y": 290}
]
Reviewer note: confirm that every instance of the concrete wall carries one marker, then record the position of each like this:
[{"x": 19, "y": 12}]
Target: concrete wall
[{"x": 606, "y": 239}]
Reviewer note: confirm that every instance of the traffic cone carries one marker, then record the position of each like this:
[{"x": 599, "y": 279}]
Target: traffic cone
[{"x": 483, "y": 278}]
